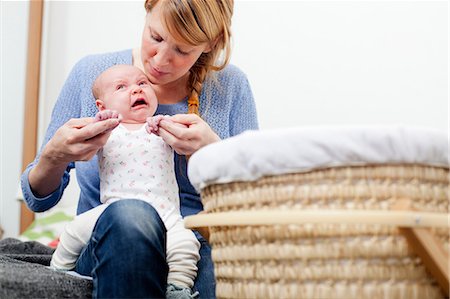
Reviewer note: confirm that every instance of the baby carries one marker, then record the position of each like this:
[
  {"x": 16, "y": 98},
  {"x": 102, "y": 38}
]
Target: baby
[{"x": 134, "y": 163}]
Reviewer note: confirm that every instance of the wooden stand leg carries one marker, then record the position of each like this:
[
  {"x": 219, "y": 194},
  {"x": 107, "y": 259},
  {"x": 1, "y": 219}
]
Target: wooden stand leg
[
  {"x": 433, "y": 255},
  {"x": 429, "y": 249}
]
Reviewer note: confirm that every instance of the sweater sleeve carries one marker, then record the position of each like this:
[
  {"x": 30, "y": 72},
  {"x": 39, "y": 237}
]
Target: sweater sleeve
[
  {"x": 243, "y": 110},
  {"x": 66, "y": 107}
]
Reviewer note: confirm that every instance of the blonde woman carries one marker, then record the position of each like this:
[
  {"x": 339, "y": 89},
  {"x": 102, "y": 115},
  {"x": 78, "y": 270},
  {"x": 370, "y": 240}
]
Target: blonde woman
[{"x": 185, "y": 52}]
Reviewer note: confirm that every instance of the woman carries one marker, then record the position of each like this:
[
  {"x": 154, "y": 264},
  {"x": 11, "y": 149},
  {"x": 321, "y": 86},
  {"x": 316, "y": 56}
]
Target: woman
[{"x": 181, "y": 45}]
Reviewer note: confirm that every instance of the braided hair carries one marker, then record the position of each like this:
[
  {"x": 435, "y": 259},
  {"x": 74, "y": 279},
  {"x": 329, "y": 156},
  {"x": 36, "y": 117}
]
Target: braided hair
[{"x": 197, "y": 22}]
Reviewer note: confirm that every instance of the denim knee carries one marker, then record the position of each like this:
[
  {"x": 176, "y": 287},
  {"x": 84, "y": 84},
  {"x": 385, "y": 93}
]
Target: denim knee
[
  {"x": 127, "y": 253},
  {"x": 130, "y": 220}
]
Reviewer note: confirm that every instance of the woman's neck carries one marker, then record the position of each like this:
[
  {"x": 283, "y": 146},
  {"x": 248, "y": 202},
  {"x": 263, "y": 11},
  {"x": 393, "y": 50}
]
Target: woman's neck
[{"x": 171, "y": 93}]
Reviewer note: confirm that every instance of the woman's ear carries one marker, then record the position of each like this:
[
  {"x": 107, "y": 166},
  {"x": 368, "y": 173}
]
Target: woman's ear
[
  {"x": 208, "y": 49},
  {"x": 210, "y": 46},
  {"x": 100, "y": 105}
]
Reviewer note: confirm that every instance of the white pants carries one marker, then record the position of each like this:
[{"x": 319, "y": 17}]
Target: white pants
[{"x": 182, "y": 246}]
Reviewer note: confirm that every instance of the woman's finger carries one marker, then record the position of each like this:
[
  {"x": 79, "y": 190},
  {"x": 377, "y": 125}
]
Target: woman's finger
[
  {"x": 79, "y": 123},
  {"x": 167, "y": 136},
  {"x": 180, "y": 146},
  {"x": 186, "y": 119},
  {"x": 179, "y": 130},
  {"x": 85, "y": 150},
  {"x": 91, "y": 130},
  {"x": 98, "y": 141}
]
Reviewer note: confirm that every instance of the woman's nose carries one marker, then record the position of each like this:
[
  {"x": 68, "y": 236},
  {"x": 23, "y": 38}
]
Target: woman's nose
[{"x": 162, "y": 56}]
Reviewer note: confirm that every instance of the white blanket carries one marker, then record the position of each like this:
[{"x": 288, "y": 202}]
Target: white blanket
[{"x": 254, "y": 154}]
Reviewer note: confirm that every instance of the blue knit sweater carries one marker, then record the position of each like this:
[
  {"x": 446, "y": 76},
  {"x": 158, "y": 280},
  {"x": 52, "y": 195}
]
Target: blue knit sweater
[{"x": 226, "y": 104}]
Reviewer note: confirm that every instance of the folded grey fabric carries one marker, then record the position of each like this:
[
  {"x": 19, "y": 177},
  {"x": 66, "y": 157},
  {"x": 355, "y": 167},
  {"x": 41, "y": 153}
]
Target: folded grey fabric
[
  {"x": 33, "y": 252},
  {"x": 24, "y": 273}
]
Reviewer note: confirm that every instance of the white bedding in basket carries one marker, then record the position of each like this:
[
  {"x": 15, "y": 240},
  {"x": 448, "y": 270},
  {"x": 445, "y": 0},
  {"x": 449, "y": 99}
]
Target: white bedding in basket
[{"x": 254, "y": 154}]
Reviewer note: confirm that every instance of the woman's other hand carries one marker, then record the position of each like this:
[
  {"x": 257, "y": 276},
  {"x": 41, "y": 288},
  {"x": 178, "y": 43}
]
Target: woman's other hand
[
  {"x": 186, "y": 133},
  {"x": 79, "y": 139}
]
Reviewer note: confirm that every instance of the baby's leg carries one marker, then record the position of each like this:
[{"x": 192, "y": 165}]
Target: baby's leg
[
  {"x": 182, "y": 255},
  {"x": 75, "y": 236}
]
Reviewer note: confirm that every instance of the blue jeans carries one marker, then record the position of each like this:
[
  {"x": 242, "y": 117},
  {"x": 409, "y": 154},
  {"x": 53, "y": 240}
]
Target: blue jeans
[
  {"x": 205, "y": 282},
  {"x": 126, "y": 255}
]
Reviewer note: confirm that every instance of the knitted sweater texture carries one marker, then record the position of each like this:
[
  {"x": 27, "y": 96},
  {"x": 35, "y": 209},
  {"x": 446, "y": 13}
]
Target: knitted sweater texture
[{"x": 226, "y": 104}]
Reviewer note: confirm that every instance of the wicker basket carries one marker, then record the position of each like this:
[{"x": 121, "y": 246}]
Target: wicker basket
[{"x": 320, "y": 259}]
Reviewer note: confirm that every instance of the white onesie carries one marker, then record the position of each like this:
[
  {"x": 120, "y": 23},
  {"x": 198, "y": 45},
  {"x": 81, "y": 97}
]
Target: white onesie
[
  {"x": 139, "y": 165},
  {"x": 136, "y": 165}
]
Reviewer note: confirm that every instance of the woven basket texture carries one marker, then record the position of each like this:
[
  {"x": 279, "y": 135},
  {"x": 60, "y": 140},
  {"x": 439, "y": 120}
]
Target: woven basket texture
[{"x": 326, "y": 260}]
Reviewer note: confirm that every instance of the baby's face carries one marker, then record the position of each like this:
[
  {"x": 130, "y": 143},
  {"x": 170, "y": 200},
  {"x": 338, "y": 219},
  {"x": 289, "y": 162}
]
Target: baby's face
[{"x": 127, "y": 90}]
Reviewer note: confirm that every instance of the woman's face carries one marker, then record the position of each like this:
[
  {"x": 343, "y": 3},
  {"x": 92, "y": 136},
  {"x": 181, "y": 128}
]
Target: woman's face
[{"x": 165, "y": 59}]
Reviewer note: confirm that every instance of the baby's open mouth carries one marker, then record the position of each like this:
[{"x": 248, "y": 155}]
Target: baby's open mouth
[{"x": 139, "y": 102}]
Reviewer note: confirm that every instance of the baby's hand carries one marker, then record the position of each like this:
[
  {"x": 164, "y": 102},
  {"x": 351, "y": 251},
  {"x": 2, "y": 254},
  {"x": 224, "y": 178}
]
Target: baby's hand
[
  {"x": 107, "y": 114},
  {"x": 152, "y": 125}
]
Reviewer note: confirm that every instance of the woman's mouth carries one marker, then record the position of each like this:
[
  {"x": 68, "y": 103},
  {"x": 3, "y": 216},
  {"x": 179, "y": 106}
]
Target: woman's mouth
[{"x": 156, "y": 72}]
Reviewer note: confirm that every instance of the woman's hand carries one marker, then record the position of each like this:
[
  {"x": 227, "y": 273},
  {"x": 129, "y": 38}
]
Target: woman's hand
[
  {"x": 77, "y": 140},
  {"x": 186, "y": 133}
]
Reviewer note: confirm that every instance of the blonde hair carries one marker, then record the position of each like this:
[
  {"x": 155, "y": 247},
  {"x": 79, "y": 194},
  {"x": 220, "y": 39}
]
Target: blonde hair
[{"x": 196, "y": 22}]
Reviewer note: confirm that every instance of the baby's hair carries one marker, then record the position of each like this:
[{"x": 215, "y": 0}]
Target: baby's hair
[
  {"x": 197, "y": 22},
  {"x": 95, "y": 89}
]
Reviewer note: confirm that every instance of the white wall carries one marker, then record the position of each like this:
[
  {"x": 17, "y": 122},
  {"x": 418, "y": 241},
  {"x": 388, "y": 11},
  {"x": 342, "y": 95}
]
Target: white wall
[
  {"x": 353, "y": 62},
  {"x": 309, "y": 62},
  {"x": 74, "y": 29},
  {"x": 14, "y": 26}
]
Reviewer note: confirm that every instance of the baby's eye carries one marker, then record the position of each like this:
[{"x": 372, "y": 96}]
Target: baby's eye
[
  {"x": 120, "y": 86},
  {"x": 143, "y": 83}
]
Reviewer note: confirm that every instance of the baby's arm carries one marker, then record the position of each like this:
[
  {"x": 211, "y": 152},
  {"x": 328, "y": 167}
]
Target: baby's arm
[{"x": 75, "y": 236}]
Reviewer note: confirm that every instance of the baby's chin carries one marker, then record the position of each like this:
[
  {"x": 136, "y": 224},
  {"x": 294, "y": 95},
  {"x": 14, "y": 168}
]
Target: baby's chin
[
  {"x": 142, "y": 114},
  {"x": 136, "y": 120}
]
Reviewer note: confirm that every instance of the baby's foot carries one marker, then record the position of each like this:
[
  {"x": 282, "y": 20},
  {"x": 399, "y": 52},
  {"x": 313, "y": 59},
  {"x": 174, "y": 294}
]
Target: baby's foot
[
  {"x": 107, "y": 114},
  {"x": 152, "y": 125},
  {"x": 177, "y": 292}
]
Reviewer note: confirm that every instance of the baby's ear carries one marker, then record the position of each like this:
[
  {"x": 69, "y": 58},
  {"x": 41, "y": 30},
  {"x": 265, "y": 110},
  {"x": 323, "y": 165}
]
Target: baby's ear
[{"x": 100, "y": 105}]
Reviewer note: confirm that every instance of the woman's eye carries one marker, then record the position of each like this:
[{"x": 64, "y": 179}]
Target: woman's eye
[
  {"x": 181, "y": 51},
  {"x": 156, "y": 38}
]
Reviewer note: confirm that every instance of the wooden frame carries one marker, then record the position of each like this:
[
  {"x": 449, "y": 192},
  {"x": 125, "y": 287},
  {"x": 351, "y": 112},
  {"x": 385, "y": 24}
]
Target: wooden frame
[
  {"x": 31, "y": 97},
  {"x": 414, "y": 225},
  {"x": 414, "y": 219}
]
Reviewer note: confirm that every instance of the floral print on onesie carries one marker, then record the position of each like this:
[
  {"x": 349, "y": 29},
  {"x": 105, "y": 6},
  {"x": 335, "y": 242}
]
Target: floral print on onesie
[{"x": 139, "y": 165}]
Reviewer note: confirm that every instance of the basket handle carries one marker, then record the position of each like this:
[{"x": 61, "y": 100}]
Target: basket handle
[{"x": 285, "y": 217}]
